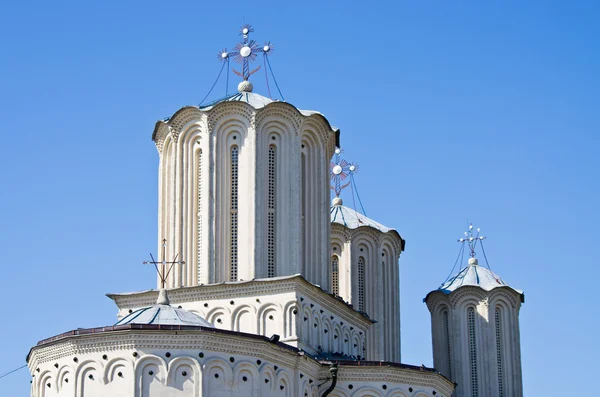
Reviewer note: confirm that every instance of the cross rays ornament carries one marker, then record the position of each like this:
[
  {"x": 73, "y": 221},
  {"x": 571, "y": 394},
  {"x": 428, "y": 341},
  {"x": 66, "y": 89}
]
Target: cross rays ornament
[
  {"x": 471, "y": 238},
  {"x": 340, "y": 170},
  {"x": 245, "y": 52},
  {"x": 163, "y": 273}
]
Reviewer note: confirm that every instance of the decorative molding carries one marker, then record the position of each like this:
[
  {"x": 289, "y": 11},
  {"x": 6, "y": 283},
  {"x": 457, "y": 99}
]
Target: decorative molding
[
  {"x": 282, "y": 110},
  {"x": 223, "y": 109},
  {"x": 161, "y": 133},
  {"x": 232, "y": 353},
  {"x": 185, "y": 116}
]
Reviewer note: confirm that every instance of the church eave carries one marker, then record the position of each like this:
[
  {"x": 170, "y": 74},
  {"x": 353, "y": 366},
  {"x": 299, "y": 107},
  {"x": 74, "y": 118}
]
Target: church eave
[
  {"x": 446, "y": 292},
  {"x": 173, "y": 293},
  {"x": 72, "y": 337},
  {"x": 304, "y": 114},
  {"x": 390, "y": 232}
]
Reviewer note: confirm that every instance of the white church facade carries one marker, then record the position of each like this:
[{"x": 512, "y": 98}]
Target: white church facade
[{"x": 276, "y": 290}]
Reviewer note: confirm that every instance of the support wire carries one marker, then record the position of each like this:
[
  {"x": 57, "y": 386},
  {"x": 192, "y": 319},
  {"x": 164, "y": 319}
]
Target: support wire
[
  {"x": 13, "y": 371},
  {"x": 357, "y": 195},
  {"x": 215, "y": 83},
  {"x": 267, "y": 75},
  {"x": 274, "y": 79},
  {"x": 227, "y": 83},
  {"x": 485, "y": 256},
  {"x": 460, "y": 255}
]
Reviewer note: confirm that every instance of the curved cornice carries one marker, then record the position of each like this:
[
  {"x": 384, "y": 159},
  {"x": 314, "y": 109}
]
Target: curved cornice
[
  {"x": 436, "y": 296},
  {"x": 175, "y": 120},
  {"x": 122, "y": 341},
  {"x": 376, "y": 234}
]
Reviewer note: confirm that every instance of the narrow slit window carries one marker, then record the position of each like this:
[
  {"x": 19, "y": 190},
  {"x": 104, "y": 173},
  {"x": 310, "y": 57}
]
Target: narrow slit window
[
  {"x": 498, "y": 319},
  {"x": 447, "y": 337},
  {"x": 272, "y": 202},
  {"x": 335, "y": 275},
  {"x": 234, "y": 214},
  {"x": 199, "y": 218},
  {"x": 361, "y": 284},
  {"x": 303, "y": 215},
  {"x": 472, "y": 352}
]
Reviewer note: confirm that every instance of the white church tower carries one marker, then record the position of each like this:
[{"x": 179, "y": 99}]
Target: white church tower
[
  {"x": 475, "y": 330},
  {"x": 241, "y": 183}
]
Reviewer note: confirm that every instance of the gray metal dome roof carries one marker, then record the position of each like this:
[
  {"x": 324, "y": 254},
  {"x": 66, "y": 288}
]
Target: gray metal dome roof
[
  {"x": 255, "y": 100},
  {"x": 475, "y": 276},
  {"x": 164, "y": 315},
  {"x": 353, "y": 219}
]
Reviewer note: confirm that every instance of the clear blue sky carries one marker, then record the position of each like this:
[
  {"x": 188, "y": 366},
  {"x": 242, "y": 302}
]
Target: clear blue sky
[{"x": 454, "y": 110}]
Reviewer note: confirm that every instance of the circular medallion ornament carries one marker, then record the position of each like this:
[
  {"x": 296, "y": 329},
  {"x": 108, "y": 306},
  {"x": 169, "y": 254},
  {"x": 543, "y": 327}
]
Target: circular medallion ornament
[
  {"x": 245, "y": 31},
  {"x": 224, "y": 55},
  {"x": 245, "y": 51},
  {"x": 337, "y": 170},
  {"x": 266, "y": 48}
]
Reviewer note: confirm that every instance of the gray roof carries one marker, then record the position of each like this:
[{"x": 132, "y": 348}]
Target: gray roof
[
  {"x": 257, "y": 101},
  {"x": 353, "y": 219},
  {"x": 475, "y": 276},
  {"x": 164, "y": 315}
]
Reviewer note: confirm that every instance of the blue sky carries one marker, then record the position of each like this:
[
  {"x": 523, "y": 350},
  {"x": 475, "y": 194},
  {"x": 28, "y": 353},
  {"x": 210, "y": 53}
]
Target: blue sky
[{"x": 454, "y": 110}]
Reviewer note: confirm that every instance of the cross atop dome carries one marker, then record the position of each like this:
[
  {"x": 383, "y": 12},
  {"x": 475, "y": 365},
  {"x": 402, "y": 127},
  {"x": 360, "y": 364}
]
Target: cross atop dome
[
  {"x": 471, "y": 238},
  {"x": 340, "y": 169},
  {"x": 245, "y": 53},
  {"x": 164, "y": 271}
]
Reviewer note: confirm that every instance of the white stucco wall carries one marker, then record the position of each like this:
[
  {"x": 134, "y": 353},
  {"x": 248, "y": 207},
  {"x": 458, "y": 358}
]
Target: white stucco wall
[
  {"x": 146, "y": 363},
  {"x": 195, "y": 199},
  {"x": 451, "y": 346},
  {"x": 380, "y": 252},
  {"x": 300, "y": 313}
]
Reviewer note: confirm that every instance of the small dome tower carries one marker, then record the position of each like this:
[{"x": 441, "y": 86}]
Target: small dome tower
[
  {"x": 363, "y": 265},
  {"x": 475, "y": 330}
]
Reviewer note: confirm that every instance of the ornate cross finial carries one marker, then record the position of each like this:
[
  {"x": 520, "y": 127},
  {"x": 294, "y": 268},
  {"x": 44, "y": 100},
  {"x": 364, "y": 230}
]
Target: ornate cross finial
[
  {"x": 245, "y": 52},
  {"x": 340, "y": 170},
  {"x": 471, "y": 238},
  {"x": 163, "y": 273}
]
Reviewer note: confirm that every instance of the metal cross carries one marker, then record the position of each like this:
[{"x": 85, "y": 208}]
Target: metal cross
[
  {"x": 163, "y": 262},
  {"x": 245, "y": 52},
  {"x": 340, "y": 170},
  {"x": 471, "y": 238}
]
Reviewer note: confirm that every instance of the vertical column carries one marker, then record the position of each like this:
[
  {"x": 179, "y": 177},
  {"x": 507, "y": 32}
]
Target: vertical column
[
  {"x": 233, "y": 214},
  {"x": 271, "y": 212}
]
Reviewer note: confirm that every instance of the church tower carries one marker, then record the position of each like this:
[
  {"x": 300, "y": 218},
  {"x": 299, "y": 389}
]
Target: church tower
[
  {"x": 475, "y": 331},
  {"x": 241, "y": 182}
]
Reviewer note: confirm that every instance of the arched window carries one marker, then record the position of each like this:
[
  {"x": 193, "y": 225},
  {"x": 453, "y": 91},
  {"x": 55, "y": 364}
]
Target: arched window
[
  {"x": 234, "y": 213},
  {"x": 303, "y": 209},
  {"x": 447, "y": 340},
  {"x": 361, "y": 284},
  {"x": 271, "y": 213},
  {"x": 199, "y": 217},
  {"x": 498, "y": 319},
  {"x": 472, "y": 351},
  {"x": 335, "y": 275}
]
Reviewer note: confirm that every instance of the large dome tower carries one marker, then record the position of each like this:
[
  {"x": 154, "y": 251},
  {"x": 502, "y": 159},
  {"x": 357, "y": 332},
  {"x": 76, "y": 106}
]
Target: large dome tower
[{"x": 241, "y": 182}]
